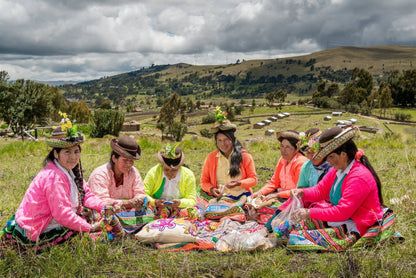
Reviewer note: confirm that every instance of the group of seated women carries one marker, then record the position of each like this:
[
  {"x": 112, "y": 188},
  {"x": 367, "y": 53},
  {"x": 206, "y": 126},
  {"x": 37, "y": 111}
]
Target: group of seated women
[{"x": 333, "y": 178}]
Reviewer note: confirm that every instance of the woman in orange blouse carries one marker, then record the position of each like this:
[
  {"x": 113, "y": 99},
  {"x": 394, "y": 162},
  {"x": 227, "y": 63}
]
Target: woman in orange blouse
[{"x": 287, "y": 170}]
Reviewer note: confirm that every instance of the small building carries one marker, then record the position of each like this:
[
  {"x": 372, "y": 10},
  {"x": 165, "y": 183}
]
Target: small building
[
  {"x": 269, "y": 132},
  {"x": 267, "y": 122},
  {"x": 273, "y": 119},
  {"x": 353, "y": 121},
  {"x": 327, "y": 118},
  {"x": 280, "y": 116},
  {"x": 286, "y": 114},
  {"x": 131, "y": 126},
  {"x": 258, "y": 125},
  {"x": 337, "y": 114}
]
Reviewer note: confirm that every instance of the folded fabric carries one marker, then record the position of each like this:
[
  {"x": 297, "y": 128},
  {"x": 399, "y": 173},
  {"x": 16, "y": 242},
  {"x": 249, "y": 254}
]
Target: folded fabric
[{"x": 168, "y": 230}]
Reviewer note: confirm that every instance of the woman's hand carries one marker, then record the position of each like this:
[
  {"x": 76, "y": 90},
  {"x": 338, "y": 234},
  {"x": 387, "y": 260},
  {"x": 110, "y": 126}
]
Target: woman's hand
[
  {"x": 137, "y": 202},
  {"x": 216, "y": 192},
  {"x": 233, "y": 184},
  {"x": 271, "y": 196},
  {"x": 176, "y": 203},
  {"x": 296, "y": 192},
  {"x": 97, "y": 226},
  {"x": 256, "y": 194},
  {"x": 159, "y": 203}
]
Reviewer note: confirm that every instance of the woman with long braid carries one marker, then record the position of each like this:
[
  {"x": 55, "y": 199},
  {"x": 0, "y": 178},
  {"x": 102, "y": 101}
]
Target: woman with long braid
[
  {"x": 53, "y": 206},
  {"x": 228, "y": 171}
]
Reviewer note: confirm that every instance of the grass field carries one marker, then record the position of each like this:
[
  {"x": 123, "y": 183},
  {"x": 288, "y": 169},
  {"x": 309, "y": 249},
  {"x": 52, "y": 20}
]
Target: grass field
[{"x": 392, "y": 155}]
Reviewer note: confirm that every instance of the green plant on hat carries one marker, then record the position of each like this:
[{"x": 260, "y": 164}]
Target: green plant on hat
[
  {"x": 169, "y": 151},
  {"x": 220, "y": 116},
  {"x": 67, "y": 126}
]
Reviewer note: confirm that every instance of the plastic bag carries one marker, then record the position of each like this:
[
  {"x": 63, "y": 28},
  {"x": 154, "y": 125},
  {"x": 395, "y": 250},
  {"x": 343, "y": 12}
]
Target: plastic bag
[
  {"x": 283, "y": 222},
  {"x": 235, "y": 241}
]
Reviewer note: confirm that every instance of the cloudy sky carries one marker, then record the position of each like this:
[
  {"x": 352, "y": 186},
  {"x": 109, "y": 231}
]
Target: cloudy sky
[{"x": 88, "y": 39}]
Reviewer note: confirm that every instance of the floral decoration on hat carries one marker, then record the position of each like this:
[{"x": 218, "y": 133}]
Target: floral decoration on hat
[
  {"x": 308, "y": 140},
  {"x": 170, "y": 151},
  {"x": 221, "y": 121},
  {"x": 66, "y": 135},
  {"x": 171, "y": 156}
]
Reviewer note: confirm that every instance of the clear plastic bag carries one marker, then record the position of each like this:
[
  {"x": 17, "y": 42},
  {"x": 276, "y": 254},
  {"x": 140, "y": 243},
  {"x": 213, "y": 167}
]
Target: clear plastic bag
[
  {"x": 283, "y": 222},
  {"x": 235, "y": 241}
]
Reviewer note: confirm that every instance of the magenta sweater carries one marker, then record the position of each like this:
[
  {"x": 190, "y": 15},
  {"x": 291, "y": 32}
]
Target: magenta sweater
[
  {"x": 47, "y": 197},
  {"x": 359, "y": 199}
]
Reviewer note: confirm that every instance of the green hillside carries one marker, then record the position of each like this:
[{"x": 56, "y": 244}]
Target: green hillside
[{"x": 246, "y": 79}]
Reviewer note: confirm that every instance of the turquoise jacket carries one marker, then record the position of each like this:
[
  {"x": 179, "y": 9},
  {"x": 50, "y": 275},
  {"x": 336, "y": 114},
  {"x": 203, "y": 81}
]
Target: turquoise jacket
[{"x": 153, "y": 181}]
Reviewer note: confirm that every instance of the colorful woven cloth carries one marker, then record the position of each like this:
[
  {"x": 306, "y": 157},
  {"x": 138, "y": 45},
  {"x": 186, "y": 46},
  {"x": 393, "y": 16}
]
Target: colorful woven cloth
[
  {"x": 214, "y": 209},
  {"x": 13, "y": 234},
  {"x": 133, "y": 220},
  {"x": 315, "y": 236}
]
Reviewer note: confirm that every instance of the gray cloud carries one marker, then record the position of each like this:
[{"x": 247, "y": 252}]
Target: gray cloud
[{"x": 78, "y": 40}]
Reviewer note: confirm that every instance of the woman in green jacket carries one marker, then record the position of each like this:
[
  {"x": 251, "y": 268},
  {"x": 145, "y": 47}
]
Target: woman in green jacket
[{"x": 169, "y": 185}]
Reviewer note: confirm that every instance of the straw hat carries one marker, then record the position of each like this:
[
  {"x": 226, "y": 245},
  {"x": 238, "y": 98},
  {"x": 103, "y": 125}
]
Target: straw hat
[{"x": 64, "y": 139}]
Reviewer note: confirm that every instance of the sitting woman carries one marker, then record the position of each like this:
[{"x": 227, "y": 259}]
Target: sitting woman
[
  {"x": 353, "y": 188},
  {"x": 229, "y": 171},
  {"x": 313, "y": 170},
  {"x": 170, "y": 187},
  {"x": 119, "y": 183},
  {"x": 287, "y": 171},
  {"x": 53, "y": 206}
]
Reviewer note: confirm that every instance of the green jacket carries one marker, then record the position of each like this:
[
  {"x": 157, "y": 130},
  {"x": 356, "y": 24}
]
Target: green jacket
[{"x": 153, "y": 181}]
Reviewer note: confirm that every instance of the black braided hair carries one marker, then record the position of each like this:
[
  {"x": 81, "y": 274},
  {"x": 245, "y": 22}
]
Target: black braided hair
[
  {"x": 236, "y": 157},
  {"x": 350, "y": 148},
  {"x": 79, "y": 181}
]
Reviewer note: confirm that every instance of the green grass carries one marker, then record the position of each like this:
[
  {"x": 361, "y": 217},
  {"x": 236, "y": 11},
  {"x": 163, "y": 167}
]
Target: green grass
[{"x": 393, "y": 156}]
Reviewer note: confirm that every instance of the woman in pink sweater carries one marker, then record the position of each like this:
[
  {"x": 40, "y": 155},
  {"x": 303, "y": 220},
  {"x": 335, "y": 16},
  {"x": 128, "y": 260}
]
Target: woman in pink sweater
[
  {"x": 54, "y": 204},
  {"x": 352, "y": 186}
]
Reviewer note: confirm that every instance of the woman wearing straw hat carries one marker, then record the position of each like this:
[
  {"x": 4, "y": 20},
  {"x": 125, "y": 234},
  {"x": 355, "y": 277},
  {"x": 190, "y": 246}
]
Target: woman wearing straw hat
[
  {"x": 53, "y": 205},
  {"x": 118, "y": 181},
  {"x": 229, "y": 171},
  {"x": 287, "y": 170},
  {"x": 352, "y": 186},
  {"x": 170, "y": 186}
]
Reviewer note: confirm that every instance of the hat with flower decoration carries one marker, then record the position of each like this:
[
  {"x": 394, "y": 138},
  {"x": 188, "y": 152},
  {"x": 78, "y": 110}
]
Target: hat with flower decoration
[
  {"x": 333, "y": 138},
  {"x": 171, "y": 156},
  {"x": 221, "y": 122},
  {"x": 66, "y": 135},
  {"x": 308, "y": 139}
]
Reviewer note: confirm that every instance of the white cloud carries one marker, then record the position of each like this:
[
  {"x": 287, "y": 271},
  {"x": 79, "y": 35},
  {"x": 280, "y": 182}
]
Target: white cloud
[{"x": 63, "y": 39}]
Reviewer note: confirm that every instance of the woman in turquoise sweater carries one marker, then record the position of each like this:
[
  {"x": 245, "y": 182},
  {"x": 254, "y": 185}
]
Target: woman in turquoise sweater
[{"x": 170, "y": 187}]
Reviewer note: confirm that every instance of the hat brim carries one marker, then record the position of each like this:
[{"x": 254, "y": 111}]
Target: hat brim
[
  {"x": 286, "y": 135},
  {"x": 62, "y": 144},
  {"x": 335, "y": 143},
  {"x": 160, "y": 158},
  {"x": 121, "y": 151},
  {"x": 224, "y": 127}
]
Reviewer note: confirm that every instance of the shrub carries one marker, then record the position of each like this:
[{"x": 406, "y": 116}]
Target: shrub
[
  {"x": 400, "y": 116},
  {"x": 205, "y": 132},
  {"x": 179, "y": 130},
  {"x": 209, "y": 119},
  {"x": 106, "y": 122}
]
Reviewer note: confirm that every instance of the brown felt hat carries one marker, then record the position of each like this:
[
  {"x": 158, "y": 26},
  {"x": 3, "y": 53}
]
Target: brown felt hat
[{"x": 126, "y": 146}]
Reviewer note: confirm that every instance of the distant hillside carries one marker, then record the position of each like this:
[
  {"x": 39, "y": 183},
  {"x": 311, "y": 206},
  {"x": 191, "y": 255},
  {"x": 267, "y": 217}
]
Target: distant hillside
[{"x": 247, "y": 79}]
